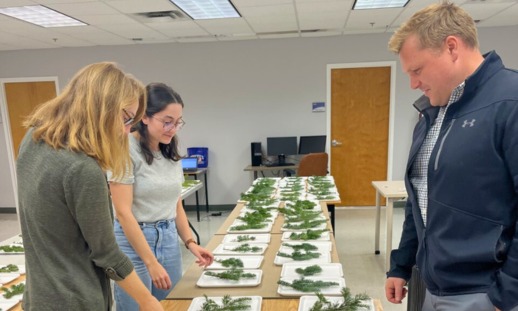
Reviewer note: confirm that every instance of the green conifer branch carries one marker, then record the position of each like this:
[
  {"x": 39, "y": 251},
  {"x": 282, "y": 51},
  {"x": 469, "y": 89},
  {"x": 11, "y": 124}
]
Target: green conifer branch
[
  {"x": 227, "y": 304},
  {"x": 231, "y": 263},
  {"x": 306, "y": 285},
  {"x": 350, "y": 303},
  {"x": 310, "y": 270},
  {"x": 233, "y": 274}
]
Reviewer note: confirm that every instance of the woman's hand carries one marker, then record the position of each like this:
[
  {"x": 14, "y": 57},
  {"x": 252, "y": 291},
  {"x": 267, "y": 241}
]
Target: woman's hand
[
  {"x": 159, "y": 276},
  {"x": 204, "y": 257}
]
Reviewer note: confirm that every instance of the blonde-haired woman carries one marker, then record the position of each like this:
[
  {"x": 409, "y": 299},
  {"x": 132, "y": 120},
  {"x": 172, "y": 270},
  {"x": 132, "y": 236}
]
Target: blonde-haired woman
[{"x": 64, "y": 204}]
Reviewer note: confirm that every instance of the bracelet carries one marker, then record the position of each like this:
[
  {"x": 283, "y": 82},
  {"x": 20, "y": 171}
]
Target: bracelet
[{"x": 189, "y": 241}]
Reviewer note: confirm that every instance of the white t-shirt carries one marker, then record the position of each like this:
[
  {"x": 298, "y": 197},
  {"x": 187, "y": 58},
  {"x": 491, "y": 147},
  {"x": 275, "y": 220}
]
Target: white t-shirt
[{"x": 156, "y": 187}]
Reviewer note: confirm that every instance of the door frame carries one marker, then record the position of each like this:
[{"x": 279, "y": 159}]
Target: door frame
[
  {"x": 392, "y": 65},
  {"x": 4, "y": 120}
]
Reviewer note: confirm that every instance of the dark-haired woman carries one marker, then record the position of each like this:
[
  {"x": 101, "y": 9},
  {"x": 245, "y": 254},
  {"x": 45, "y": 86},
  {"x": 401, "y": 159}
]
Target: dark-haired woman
[{"x": 148, "y": 203}]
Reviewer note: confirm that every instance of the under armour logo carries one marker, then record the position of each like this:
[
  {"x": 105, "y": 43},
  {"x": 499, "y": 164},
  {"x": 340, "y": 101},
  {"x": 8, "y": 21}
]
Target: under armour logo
[{"x": 470, "y": 123}]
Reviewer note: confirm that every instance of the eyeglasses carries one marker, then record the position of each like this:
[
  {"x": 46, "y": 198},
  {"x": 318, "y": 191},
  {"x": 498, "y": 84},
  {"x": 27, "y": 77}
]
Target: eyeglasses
[
  {"x": 170, "y": 125},
  {"x": 127, "y": 118}
]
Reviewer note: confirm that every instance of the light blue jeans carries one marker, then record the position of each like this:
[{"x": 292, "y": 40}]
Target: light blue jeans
[{"x": 162, "y": 238}]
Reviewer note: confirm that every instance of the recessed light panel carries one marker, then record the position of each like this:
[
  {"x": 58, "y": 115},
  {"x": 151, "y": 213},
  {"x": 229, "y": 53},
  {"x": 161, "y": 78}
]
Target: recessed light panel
[
  {"x": 378, "y": 4},
  {"x": 207, "y": 9},
  {"x": 41, "y": 16}
]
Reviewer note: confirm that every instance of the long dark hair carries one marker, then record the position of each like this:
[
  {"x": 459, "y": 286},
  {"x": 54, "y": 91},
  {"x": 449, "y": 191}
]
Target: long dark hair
[{"x": 159, "y": 96}]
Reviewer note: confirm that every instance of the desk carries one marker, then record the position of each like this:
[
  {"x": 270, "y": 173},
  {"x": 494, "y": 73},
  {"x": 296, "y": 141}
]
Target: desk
[
  {"x": 391, "y": 190},
  {"x": 290, "y": 304},
  {"x": 186, "y": 192},
  {"x": 187, "y": 289},
  {"x": 200, "y": 171},
  {"x": 264, "y": 168}
]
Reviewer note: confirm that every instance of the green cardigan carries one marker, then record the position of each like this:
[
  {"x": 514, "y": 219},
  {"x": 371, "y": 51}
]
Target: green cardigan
[{"x": 67, "y": 229}]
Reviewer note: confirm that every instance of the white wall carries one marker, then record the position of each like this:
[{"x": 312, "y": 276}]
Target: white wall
[{"x": 241, "y": 91}]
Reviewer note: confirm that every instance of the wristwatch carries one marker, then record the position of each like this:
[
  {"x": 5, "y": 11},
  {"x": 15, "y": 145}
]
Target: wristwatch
[{"x": 189, "y": 241}]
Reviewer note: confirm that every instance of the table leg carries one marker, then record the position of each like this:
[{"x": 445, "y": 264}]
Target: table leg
[
  {"x": 331, "y": 210},
  {"x": 377, "y": 228},
  {"x": 197, "y": 202},
  {"x": 390, "y": 214},
  {"x": 206, "y": 191},
  {"x": 255, "y": 175},
  {"x": 195, "y": 233}
]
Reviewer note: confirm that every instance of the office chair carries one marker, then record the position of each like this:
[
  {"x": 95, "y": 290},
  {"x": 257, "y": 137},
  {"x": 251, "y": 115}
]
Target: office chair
[{"x": 313, "y": 164}]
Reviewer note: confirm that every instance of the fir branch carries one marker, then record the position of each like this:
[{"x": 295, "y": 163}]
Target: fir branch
[
  {"x": 305, "y": 224},
  {"x": 310, "y": 270},
  {"x": 248, "y": 227},
  {"x": 244, "y": 248},
  {"x": 13, "y": 290},
  {"x": 231, "y": 263},
  {"x": 307, "y": 235},
  {"x": 244, "y": 238},
  {"x": 306, "y": 285},
  {"x": 233, "y": 274},
  {"x": 303, "y": 216},
  {"x": 9, "y": 268},
  {"x": 228, "y": 304},
  {"x": 350, "y": 303},
  {"x": 303, "y": 246},
  {"x": 255, "y": 217},
  {"x": 302, "y": 205},
  {"x": 12, "y": 249},
  {"x": 300, "y": 256}
]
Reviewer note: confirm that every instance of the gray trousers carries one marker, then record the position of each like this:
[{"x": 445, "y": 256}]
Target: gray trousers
[{"x": 470, "y": 302}]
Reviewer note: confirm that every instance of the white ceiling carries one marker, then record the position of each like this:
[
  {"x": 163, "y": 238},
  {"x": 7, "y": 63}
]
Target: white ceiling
[{"x": 118, "y": 22}]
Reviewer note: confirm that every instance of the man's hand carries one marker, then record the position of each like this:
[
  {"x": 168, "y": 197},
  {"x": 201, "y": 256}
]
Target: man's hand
[{"x": 395, "y": 289}]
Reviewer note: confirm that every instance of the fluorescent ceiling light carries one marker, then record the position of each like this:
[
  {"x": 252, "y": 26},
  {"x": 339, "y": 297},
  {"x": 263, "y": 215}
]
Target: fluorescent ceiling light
[
  {"x": 207, "y": 9},
  {"x": 41, "y": 16},
  {"x": 378, "y": 4}
]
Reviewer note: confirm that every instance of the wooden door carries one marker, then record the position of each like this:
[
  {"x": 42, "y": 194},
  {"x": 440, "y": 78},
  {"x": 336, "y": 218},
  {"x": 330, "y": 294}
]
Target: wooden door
[
  {"x": 360, "y": 106},
  {"x": 22, "y": 98}
]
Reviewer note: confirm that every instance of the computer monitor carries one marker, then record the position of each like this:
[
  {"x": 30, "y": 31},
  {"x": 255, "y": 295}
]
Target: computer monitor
[
  {"x": 312, "y": 144},
  {"x": 281, "y": 147}
]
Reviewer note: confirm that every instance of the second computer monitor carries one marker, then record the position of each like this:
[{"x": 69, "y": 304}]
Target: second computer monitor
[
  {"x": 281, "y": 147},
  {"x": 312, "y": 144}
]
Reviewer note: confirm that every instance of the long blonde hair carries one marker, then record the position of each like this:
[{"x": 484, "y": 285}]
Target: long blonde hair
[{"x": 87, "y": 116}]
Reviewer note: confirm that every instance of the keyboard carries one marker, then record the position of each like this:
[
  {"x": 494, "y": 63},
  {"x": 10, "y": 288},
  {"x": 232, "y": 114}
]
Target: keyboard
[{"x": 279, "y": 165}]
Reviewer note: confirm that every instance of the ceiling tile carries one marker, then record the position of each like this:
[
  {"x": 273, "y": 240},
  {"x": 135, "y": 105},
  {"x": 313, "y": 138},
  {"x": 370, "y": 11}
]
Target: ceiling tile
[
  {"x": 179, "y": 29},
  {"x": 225, "y": 26},
  {"x": 371, "y": 19},
  {"x": 83, "y": 8},
  {"x": 248, "y": 3},
  {"x": 138, "y": 6},
  {"x": 271, "y": 18},
  {"x": 323, "y": 15},
  {"x": 482, "y": 10},
  {"x": 509, "y": 17}
]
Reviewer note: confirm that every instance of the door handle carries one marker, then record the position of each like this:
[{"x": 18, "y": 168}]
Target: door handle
[{"x": 335, "y": 143}]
